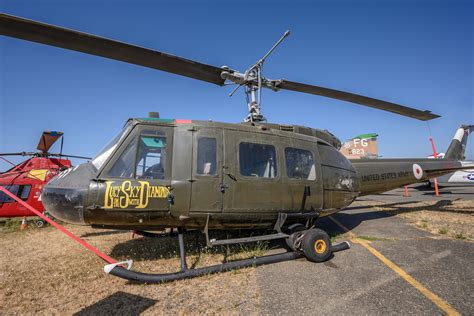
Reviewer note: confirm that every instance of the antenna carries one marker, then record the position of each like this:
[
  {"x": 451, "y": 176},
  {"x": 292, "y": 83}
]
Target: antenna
[{"x": 253, "y": 81}]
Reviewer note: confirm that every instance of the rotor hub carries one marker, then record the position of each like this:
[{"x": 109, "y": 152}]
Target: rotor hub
[{"x": 253, "y": 81}]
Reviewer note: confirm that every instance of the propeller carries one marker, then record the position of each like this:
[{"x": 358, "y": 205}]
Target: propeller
[{"x": 252, "y": 79}]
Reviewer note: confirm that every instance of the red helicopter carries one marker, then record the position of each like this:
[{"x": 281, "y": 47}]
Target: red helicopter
[{"x": 27, "y": 179}]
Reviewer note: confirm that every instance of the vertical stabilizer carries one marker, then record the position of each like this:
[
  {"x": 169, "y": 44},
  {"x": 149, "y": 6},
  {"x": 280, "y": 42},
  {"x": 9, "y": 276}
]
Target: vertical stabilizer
[
  {"x": 363, "y": 146},
  {"x": 458, "y": 145}
]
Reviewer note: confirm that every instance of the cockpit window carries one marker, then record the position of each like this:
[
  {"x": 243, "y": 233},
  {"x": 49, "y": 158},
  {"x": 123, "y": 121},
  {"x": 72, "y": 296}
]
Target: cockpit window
[
  {"x": 124, "y": 166},
  {"x": 102, "y": 156},
  {"x": 151, "y": 157},
  {"x": 143, "y": 158}
]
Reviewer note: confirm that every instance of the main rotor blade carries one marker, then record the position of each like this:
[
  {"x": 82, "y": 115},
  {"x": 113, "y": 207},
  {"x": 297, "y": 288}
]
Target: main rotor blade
[
  {"x": 69, "y": 156},
  {"x": 19, "y": 154},
  {"x": 47, "y": 139},
  {"x": 90, "y": 44},
  {"x": 359, "y": 99}
]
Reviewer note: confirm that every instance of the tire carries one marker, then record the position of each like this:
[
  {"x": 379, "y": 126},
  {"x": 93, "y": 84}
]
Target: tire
[
  {"x": 316, "y": 245},
  {"x": 39, "y": 223},
  {"x": 294, "y": 231}
]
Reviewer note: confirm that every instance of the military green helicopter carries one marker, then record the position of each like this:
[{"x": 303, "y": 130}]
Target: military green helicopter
[{"x": 170, "y": 173}]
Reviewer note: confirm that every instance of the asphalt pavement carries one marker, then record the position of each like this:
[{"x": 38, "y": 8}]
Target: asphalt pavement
[{"x": 419, "y": 273}]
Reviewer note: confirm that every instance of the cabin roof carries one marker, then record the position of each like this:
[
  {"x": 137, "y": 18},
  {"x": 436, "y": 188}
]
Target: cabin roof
[{"x": 282, "y": 129}]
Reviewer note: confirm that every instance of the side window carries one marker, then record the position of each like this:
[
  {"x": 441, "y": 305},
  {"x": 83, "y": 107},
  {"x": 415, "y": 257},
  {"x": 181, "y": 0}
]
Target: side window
[
  {"x": 13, "y": 189},
  {"x": 25, "y": 192},
  {"x": 151, "y": 157},
  {"x": 206, "y": 156},
  {"x": 22, "y": 191},
  {"x": 124, "y": 166},
  {"x": 257, "y": 160},
  {"x": 300, "y": 164}
]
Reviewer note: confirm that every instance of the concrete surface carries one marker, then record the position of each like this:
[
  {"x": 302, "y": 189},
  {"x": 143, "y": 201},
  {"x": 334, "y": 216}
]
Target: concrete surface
[{"x": 356, "y": 282}]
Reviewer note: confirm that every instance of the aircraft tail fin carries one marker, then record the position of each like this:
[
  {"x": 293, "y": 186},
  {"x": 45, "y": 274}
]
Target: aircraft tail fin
[
  {"x": 457, "y": 147},
  {"x": 363, "y": 146}
]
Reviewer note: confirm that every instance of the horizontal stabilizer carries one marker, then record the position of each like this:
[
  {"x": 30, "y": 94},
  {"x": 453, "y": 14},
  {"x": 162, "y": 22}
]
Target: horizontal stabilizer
[{"x": 435, "y": 172}]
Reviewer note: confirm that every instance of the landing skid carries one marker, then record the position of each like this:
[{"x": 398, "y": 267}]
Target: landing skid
[
  {"x": 118, "y": 270},
  {"x": 140, "y": 277}
]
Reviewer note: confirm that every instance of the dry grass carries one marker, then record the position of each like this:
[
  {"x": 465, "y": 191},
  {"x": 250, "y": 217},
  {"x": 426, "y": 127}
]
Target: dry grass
[
  {"x": 446, "y": 218},
  {"x": 67, "y": 279}
]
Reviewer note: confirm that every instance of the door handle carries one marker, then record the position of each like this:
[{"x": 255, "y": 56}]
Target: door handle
[{"x": 232, "y": 177}]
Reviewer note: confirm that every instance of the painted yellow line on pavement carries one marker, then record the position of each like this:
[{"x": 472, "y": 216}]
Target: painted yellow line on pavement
[{"x": 448, "y": 309}]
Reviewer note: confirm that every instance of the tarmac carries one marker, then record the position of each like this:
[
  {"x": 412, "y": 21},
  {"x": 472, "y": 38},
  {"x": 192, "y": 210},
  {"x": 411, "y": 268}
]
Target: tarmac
[{"x": 398, "y": 270}]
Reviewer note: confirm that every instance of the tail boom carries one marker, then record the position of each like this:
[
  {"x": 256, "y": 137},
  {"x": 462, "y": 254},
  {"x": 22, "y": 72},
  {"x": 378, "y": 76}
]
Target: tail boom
[{"x": 383, "y": 175}]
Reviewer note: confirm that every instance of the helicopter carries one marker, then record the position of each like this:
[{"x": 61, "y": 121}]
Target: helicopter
[
  {"x": 27, "y": 179},
  {"x": 462, "y": 177},
  {"x": 160, "y": 173}
]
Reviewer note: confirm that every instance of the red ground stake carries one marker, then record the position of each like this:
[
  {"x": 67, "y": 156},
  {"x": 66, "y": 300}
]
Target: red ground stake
[
  {"x": 436, "y": 186},
  {"x": 435, "y": 155},
  {"x": 406, "y": 191},
  {"x": 59, "y": 227}
]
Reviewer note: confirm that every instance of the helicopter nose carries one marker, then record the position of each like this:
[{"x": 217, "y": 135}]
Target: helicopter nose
[
  {"x": 63, "y": 197},
  {"x": 63, "y": 204}
]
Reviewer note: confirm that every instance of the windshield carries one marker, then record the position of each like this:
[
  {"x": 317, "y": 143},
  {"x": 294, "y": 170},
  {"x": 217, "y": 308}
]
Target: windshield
[{"x": 102, "y": 156}]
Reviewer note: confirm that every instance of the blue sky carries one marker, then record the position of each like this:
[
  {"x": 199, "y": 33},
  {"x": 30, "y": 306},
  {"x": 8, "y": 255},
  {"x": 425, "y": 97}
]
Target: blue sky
[{"x": 416, "y": 53}]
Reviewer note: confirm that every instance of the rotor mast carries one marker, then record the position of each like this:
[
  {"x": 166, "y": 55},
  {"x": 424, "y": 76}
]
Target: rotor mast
[{"x": 253, "y": 81}]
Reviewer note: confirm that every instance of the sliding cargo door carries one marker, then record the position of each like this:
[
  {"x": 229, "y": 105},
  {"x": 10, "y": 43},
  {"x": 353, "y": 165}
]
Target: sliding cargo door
[{"x": 252, "y": 173}]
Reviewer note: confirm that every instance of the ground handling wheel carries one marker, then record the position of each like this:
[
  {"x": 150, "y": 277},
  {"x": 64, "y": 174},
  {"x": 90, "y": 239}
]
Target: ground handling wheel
[
  {"x": 295, "y": 231},
  {"x": 39, "y": 223},
  {"x": 316, "y": 245}
]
